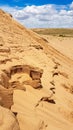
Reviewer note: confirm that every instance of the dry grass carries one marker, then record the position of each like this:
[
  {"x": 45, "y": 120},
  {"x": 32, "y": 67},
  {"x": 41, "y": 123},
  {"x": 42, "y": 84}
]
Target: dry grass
[{"x": 61, "y": 32}]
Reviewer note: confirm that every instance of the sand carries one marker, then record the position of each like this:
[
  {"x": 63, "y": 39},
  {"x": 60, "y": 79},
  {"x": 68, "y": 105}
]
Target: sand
[
  {"x": 62, "y": 44},
  {"x": 36, "y": 78}
]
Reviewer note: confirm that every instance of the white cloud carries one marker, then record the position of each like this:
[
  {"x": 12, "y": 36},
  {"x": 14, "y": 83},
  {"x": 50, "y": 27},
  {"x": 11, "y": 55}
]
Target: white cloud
[
  {"x": 71, "y": 5},
  {"x": 43, "y": 16}
]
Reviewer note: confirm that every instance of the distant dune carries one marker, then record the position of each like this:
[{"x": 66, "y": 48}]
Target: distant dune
[{"x": 36, "y": 78}]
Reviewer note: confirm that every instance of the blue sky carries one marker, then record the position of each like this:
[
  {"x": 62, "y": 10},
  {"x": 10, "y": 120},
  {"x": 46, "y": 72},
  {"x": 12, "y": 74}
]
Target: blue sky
[
  {"x": 33, "y": 2},
  {"x": 41, "y": 13}
]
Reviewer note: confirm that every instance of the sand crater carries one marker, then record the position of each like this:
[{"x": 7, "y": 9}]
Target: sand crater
[{"x": 16, "y": 77}]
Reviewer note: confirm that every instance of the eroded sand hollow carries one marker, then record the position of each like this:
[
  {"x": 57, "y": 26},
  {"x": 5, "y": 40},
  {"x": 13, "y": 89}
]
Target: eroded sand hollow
[{"x": 16, "y": 77}]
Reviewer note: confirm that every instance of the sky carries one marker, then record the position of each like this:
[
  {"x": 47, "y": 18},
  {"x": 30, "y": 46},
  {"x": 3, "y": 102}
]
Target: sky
[{"x": 40, "y": 13}]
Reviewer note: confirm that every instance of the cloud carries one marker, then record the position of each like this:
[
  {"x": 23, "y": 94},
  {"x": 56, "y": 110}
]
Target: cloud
[
  {"x": 71, "y": 5},
  {"x": 43, "y": 16}
]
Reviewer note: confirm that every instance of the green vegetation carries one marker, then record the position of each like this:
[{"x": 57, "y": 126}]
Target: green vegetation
[{"x": 61, "y": 32}]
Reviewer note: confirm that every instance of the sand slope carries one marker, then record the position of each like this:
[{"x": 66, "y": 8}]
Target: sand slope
[
  {"x": 36, "y": 80},
  {"x": 62, "y": 44}
]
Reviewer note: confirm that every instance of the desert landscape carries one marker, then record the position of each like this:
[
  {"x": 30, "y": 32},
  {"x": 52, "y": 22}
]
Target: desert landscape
[
  {"x": 36, "y": 77},
  {"x": 59, "y": 38}
]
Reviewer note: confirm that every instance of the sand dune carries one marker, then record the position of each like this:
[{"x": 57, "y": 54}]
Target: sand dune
[
  {"x": 36, "y": 78},
  {"x": 62, "y": 44}
]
